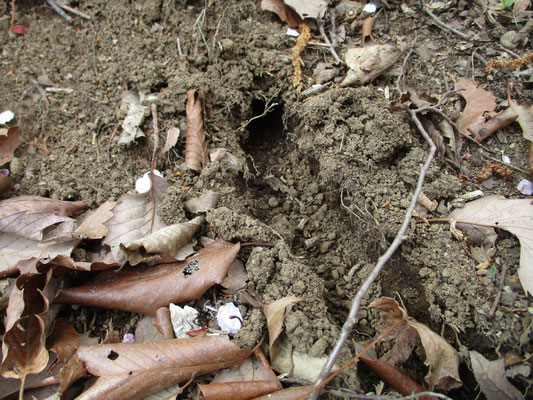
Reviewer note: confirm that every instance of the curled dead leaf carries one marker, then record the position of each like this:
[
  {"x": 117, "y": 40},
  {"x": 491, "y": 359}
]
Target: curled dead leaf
[
  {"x": 275, "y": 315},
  {"x": 9, "y": 143},
  {"x": 204, "y": 203},
  {"x": 196, "y": 156},
  {"x": 440, "y": 356},
  {"x": 283, "y": 11},
  {"x": 478, "y": 102}
]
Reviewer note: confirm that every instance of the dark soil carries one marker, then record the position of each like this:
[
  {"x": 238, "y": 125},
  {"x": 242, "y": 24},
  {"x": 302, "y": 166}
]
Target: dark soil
[{"x": 335, "y": 170}]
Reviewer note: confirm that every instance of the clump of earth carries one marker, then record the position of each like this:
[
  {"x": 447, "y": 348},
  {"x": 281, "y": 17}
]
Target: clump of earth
[{"x": 325, "y": 180}]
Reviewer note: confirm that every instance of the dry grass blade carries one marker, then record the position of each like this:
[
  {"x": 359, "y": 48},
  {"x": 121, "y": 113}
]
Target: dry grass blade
[{"x": 196, "y": 156}]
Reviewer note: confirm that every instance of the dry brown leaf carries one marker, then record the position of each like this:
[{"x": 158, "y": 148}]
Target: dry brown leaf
[
  {"x": 275, "y": 315},
  {"x": 236, "y": 278},
  {"x": 6, "y": 184},
  {"x": 138, "y": 369},
  {"x": 165, "y": 241},
  {"x": 9, "y": 143},
  {"x": 132, "y": 217},
  {"x": 367, "y": 63},
  {"x": 221, "y": 154},
  {"x": 146, "y": 289},
  {"x": 283, "y": 11},
  {"x": 25, "y": 235},
  {"x": 236, "y": 390},
  {"x": 498, "y": 121},
  {"x": 40, "y": 204},
  {"x": 491, "y": 378},
  {"x": 478, "y": 102},
  {"x": 525, "y": 119},
  {"x": 292, "y": 393},
  {"x": 92, "y": 226},
  {"x": 173, "y": 135},
  {"x": 308, "y": 8},
  {"x": 163, "y": 323},
  {"x": 442, "y": 359},
  {"x": 204, "y": 203},
  {"x": 27, "y": 319},
  {"x": 63, "y": 340},
  {"x": 146, "y": 330},
  {"x": 196, "y": 156},
  {"x": 513, "y": 215}
]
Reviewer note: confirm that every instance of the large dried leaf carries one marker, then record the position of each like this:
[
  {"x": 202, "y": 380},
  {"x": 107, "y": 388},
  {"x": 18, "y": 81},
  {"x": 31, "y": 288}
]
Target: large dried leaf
[
  {"x": 36, "y": 204},
  {"x": 9, "y": 143},
  {"x": 92, "y": 226},
  {"x": 367, "y": 63},
  {"x": 440, "y": 356},
  {"x": 132, "y": 217},
  {"x": 138, "y": 369},
  {"x": 27, "y": 318},
  {"x": 513, "y": 215},
  {"x": 165, "y": 241},
  {"x": 196, "y": 156},
  {"x": 144, "y": 290},
  {"x": 283, "y": 11},
  {"x": 478, "y": 102},
  {"x": 491, "y": 378},
  {"x": 308, "y": 8},
  {"x": 275, "y": 315},
  {"x": 24, "y": 235}
]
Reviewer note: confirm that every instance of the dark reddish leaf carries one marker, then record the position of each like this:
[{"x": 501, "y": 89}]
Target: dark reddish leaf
[
  {"x": 144, "y": 290},
  {"x": 399, "y": 380},
  {"x": 18, "y": 29}
]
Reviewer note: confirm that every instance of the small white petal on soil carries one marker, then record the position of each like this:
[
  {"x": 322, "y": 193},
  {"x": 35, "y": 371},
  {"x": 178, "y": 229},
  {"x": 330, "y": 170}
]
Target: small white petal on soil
[{"x": 229, "y": 318}]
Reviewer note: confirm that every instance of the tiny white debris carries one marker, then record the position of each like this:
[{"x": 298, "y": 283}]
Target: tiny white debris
[
  {"x": 506, "y": 159},
  {"x": 229, "y": 318},
  {"x": 6, "y": 116},
  {"x": 142, "y": 185},
  {"x": 292, "y": 32},
  {"x": 525, "y": 187},
  {"x": 183, "y": 320}
]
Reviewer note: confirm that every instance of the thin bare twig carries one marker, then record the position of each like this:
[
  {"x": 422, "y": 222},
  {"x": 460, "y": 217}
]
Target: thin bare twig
[
  {"x": 441, "y": 24},
  {"x": 326, "y": 39},
  {"x": 500, "y": 290},
  {"x": 72, "y": 10},
  {"x": 59, "y": 10},
  {"x": 82, "y": 182},
  {"x": 398, "y": 240},
  {"x": 154, "y": 158},
  {"x": 352, "y": 395}
]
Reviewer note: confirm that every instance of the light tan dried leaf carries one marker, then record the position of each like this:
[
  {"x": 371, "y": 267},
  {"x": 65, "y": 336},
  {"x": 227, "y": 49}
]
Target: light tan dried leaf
[
  {"x": 173, "y": 135},
  {"x": 9, "y": 143},
  {"x": 236, "y": 390},
  {"x": 146, "y": 330},
  {"x": 367, "y": 63},
  {"x": 165, "y": 241},
  {"x": 92, "y": 227},
  {"x": 35, "y": 204},
  {"x": 283, "y": 11},
  {"x": 441, "y": 357},
  {"x": 24, "y": 235},
  {"x": 139, "y": 369},
  {"x": 478, "y": 102},
  {"x": 513, "y": 215},
  {"x": 132, "y": 217},
  {"x": 221, "y": 154},
  {"x": 275, "y": 315},
  {"x": 144, "y": 290},
  {"x": 491, "y": 378},
  {"x": 525, "y": 118},
  {"x": 308, "y": 8},
  {"x": 163, "y": 322},
  {"x": 196, "y": 156},
  {"x": 204, "y": 203},
  {"x": 236, "y": 278}
]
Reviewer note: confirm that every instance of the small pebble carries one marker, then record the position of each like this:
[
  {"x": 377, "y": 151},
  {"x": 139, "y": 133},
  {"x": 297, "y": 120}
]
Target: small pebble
[
  {"x": 273, "y": 202},
  {"x": 313, "y": 189}
]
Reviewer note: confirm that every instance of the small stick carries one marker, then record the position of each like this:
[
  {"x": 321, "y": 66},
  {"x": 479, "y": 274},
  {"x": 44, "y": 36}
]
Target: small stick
[
  {"x": 500, "y": 290},
  {"x": 511, "y": 166},
  {"x": 110, "y": 141},
  {"x": 72, "y": 10},
  {"x": 443, "y": 25},
  {"x": 82, "y": 182},
  {"x": 326, "y": 38},
  {"x": 333, "y": 31},
  {"x": 154, "y": 158},
  {"x": 59, "y": 10}
]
